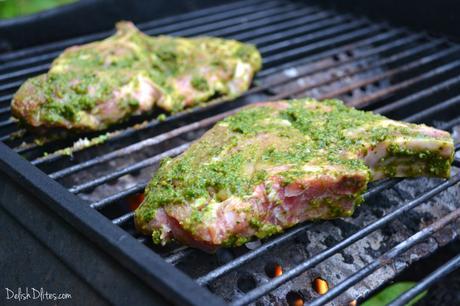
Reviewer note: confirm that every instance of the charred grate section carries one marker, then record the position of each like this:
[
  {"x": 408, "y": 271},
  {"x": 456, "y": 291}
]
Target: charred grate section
[{"x": 307, "y": 50}]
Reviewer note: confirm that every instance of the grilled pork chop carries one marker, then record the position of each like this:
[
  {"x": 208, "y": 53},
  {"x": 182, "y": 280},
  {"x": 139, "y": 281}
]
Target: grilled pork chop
[
  {"x": 273, "y": 165},
  {"x": 93, "y": 86}
]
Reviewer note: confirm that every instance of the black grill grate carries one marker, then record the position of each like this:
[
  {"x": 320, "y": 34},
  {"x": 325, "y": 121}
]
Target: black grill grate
[{"x": 307, "y": 50}]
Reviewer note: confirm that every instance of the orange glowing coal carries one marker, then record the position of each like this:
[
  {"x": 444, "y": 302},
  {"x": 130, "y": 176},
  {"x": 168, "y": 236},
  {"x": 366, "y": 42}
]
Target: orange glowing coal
[
  {"x": 320, "y": 285},
  {"x": 278, "y": 271},
  {"x": 298, "y": 302}
]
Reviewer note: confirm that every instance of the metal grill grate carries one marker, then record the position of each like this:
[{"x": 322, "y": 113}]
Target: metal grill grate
[{"x": 307, "y": 50}]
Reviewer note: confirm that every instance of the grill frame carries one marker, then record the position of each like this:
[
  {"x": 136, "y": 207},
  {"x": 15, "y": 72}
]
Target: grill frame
[{"x": 135, "y": 256}]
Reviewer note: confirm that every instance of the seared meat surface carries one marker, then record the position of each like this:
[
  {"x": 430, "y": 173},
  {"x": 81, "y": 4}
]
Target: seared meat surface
[
  {"x": 273, "y": 165},
  {"x": 93, "y": 86}
]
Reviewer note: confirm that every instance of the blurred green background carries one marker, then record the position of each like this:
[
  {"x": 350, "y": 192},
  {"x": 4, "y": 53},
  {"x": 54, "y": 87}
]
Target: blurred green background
[{"x": 15, "y": 8}]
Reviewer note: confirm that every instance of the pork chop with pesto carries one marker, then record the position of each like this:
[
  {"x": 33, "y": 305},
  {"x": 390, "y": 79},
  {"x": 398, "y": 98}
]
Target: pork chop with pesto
[
  {"x": 274, "y": 165},
  {"x": 93, "y": 86}
]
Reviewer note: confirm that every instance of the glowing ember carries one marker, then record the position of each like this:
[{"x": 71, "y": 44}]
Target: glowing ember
[
  {"x": 320, "y": 285},
  {"x": 298, "y": 302},
  {"x": 278, "y": 271}
]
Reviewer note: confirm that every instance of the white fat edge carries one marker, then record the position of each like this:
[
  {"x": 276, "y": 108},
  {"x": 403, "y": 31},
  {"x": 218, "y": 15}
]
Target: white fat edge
[
  {"x": 333, "y": 171},
  {"x": 58, "y": 68},
  {"x": 81, "y": 143},
  {"x": 165, "y": 230},
  {"x": 242, "y": 70},
  {"x": 312, "y": 168},
  {"x": 280, "y": 121},
  {"x": 422, "y": 144},
  {"x": 242, "y": 75},
  {"x": 145, "y": 92},
  {"x": 354, "y": 132}
]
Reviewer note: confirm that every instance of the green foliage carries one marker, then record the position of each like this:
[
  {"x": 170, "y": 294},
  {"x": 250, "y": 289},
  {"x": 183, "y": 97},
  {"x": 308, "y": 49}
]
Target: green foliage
[
  {"x": 15, "y": 8},
  {"x": 391, "y": 292}
]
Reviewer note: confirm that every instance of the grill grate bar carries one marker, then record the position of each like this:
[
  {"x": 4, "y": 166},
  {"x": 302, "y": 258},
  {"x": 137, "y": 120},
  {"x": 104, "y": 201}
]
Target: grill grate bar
[
  {"x": 388, "y": 60},
  {"x": 320, "y": 257},
  {"x": 247, "y": 257},
  {"x": 419, "y": 95},
  {"x": 23, "y": 72},
  {"x": 365, "y": 101},
  {"x": 26, "y": 62},
  {"x": 279, "y": 58},
  {"x": 451, "y": 123},
  {"x": 10, "y": 86},
  {"x": 358, "y": 59},
  {"x": 223, "y": 25},
  {"x": 5, "y": 98},
  {"x": 389, "y": 73},
  {"x": 7, "y": 122},
  {"x": 139, "y": 145},
  {"x": 124, "y": 218},
  {"x": 386, "y": 258},
  {"x": 5, "y": 110},
  {"x": 258, "y": 32},
  {"x": 335, "y": 49},
  {"x": 87, "y": 38},
  {"x": 118, "y": 196},
  {"x": 424, "y": 284},
  {"x": 320, "y": 29},
  {"x": 221, "y": 19},
  {"x": 178, "y": 255},
  {"x": 395, "y": 44},
  {"x": 134, "y": 167}
]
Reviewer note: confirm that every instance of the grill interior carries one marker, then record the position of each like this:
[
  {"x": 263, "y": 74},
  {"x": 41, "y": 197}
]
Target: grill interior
[{"x": 308, "y": 50}]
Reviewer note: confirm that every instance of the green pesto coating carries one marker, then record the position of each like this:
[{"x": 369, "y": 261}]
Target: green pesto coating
[
  {"x": 184, "y": 73},
  {"x": 236, "y": 154}
]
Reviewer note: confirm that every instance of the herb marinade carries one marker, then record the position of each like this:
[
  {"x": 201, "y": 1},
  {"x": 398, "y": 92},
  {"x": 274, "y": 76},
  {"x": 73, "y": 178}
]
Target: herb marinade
[
  {"x": 302, "y": 138},
  {"x": 184, "y": 72}
]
